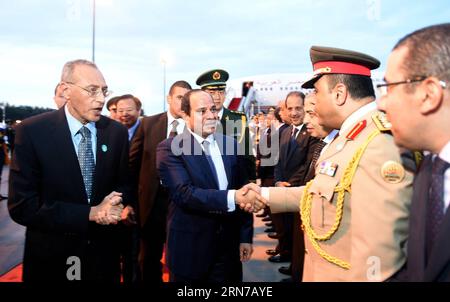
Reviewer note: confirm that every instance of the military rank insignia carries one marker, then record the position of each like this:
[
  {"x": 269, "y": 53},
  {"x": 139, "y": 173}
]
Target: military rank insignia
[
  {"x": 328, "y": 168},
  {"x": 216, "y": 76},
  {"x": 381, "y": 122},
  {"x": 356, "y": 130},
  {"x": 392, "y": 172}
]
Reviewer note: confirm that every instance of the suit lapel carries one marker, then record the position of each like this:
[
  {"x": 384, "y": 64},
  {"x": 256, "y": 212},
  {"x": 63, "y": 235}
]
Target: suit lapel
[
  {"x": 197, "y": 158},
  {"x": 221, "y": 142},
  {"x": 285, "y": 141},
  {"x": 102, "y": 144},
  {"x": 159, "y": 135},
  {"x": 440, "y": 255},
  {"x": 417, "y": 228},
  {"x": 61, "y": 134}
]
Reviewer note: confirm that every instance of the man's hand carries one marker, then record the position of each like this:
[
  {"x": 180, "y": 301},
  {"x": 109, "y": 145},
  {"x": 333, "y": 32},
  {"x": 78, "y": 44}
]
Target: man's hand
[
  {"x": 128, "y": 216},
  {"x": 108, "y": 211},
  {"x": 249, "y": 199},
  {"x": 245, "y": 251}
]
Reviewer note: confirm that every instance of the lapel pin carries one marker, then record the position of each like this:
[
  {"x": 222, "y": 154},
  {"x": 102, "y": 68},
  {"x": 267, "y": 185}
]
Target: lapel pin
[{"x": 104, "y": 148}]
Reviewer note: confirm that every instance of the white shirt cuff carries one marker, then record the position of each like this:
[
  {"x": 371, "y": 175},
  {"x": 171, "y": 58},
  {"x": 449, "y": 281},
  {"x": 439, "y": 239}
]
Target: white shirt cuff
[
  {"x": 231, "y": 201},
  {"x": 265, "y": 193}
]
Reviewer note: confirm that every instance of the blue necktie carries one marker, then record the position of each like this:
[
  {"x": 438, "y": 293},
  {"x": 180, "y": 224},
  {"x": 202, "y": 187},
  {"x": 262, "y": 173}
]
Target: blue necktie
[
  {"x": 206, "y": 147},
  {"x": 86, "y": 160},
  {"x": 435, "y": 207},
  {"x": 292, "y": 141}
]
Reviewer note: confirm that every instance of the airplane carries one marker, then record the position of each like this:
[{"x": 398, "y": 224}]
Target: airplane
[{"x": 253, "y": 94}]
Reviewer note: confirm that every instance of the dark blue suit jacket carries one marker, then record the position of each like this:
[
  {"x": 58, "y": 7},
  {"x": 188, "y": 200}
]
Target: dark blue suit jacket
[
  {"x": 47, "y": 195},
  {"x": 199, "y": 226},
  {"x": 437, "y": 268}
]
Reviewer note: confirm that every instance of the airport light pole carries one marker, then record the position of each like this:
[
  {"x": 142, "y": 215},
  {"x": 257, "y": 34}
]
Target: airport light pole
[
  {"x": 164, "y": 63},
  {"x": 93, "y": 31}
]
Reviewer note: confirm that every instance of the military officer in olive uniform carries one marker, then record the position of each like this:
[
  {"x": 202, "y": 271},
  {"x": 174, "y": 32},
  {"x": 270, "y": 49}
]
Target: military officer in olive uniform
[
  {"x": 355, "y": 211},
  {"x": 233, "y": 123}
]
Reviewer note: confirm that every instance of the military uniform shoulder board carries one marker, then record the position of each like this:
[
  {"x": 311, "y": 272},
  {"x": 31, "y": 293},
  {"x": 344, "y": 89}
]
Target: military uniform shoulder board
[
  {"x": 237, "y": 112},
  {"x": 381, "y": 122}
]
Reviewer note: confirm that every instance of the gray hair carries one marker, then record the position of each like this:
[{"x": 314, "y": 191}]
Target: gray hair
[{"x": 69, "y": 67}]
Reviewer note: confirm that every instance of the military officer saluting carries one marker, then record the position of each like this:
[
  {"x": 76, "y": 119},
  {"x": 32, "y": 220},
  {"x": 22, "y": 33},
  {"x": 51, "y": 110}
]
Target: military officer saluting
[
  {"x": 355, "y": 211},
  {"x": 233, "y": 123}
]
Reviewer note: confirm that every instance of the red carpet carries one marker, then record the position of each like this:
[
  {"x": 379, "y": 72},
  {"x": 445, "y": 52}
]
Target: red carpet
[{"x": 15, "y": 275}]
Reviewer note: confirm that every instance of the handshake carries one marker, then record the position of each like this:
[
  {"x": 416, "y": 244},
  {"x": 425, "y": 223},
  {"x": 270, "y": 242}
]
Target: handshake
[
  {"x": 249, "y": 198},
  {"x": 111, "y": 211}
]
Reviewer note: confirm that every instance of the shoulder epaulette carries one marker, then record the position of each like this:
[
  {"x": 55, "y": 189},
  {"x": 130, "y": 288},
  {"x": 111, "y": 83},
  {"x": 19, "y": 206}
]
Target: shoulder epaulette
[
  {"x": 237, "y": 112},
  {"x": 381, "y": 122}
]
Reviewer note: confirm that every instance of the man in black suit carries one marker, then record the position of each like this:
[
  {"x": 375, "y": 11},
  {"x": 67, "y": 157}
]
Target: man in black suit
[
  {"x": 208, "y": 236},
  {"x": 67, "y": 182},
  {"x": 152, "y": 196},
  {"x": 416, "y": 98},
  {"x": 296, "y": 148}
]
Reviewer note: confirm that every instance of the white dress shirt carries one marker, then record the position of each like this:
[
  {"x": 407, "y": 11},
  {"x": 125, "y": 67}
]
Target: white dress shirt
[
  {"x": 217, "y": 160},
  {"x": 299, "y": 127}
]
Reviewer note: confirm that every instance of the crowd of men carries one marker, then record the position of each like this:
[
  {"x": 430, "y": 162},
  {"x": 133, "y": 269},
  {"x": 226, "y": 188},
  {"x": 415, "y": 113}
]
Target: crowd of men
[{"x": 354, "y": 188}]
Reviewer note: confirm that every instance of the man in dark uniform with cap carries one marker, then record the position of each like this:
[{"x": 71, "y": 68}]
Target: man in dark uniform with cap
[
  {"x": 233, "y": 123},
  {"x": 355, "y": 211}
]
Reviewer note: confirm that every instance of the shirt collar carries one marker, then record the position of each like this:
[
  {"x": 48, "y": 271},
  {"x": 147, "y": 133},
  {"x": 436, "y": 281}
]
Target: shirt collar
[
  {"x": 170, "y": 119},
  {"x": 75, "y": 125},
  {"x": 280, "y": 125},
  {"x": 445, "y": 152},
  {"x": 220, "y": 113},
  {"x": 329, "y": 138},
  {"x": 357, "y": 115},
  {"x": 200, "y": 139},
  {"x": 133, "y": 128},
  {"x": 299, "y": 127}
]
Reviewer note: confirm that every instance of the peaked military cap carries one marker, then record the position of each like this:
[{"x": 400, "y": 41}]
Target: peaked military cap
[
  {"x": 213, "y": 79},
  {"x": 328, "y": 60}
]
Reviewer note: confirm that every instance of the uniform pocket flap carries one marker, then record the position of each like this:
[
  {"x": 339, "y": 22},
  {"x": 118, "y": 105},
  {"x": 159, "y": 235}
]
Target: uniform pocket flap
[{"x": 324, "y": 185}]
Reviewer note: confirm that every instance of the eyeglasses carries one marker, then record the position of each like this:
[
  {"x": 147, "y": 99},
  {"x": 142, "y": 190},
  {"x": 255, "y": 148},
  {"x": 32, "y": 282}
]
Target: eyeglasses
[
  {"x": 383, "y": 88},
  {"x": 94, "y": 92}
]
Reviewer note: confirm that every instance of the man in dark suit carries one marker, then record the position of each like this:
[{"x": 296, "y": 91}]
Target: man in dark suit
[
  {"x": 232, "y": 123},
  {"x": 416, "y": 99},
  {"x": 66, "y": 174},
  {"x": 296, "y": 149},
  {"x": 153, "y": 198},
  {"x": 208, "y": 236},
  {"x": 129, "y": 109}
]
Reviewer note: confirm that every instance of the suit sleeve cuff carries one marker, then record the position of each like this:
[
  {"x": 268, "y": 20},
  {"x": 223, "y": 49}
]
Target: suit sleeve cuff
[{"x": 231, "y": 201}]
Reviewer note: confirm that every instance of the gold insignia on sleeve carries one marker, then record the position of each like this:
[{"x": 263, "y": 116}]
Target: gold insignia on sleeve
[
  {"x": 216, "y": 76},
  {"x": 392, "y": 172},
  {"x": 381, "y": 122}
]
